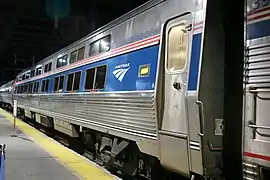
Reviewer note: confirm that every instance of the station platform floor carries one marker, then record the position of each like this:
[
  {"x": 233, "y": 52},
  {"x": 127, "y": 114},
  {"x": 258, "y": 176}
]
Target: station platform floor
[{"x": 34, "y": 156}]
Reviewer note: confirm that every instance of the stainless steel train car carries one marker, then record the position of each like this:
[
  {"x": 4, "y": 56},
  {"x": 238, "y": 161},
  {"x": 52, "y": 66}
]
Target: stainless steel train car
[
  {"x": 139, "y": 91},
  {"x": 256, "y": 137},
  {"x": 6, "y": 95}
]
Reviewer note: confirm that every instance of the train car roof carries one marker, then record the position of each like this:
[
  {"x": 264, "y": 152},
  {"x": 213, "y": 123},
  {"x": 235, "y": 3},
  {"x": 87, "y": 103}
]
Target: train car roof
[{"x": 121, "y": 19}]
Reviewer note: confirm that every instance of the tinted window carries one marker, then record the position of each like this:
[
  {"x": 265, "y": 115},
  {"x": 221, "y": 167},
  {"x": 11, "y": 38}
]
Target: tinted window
[
  {"x": 61, "y": 83},
  {"x": 25, "y": 88},
  {"x": 32, "y": 73},
  {"x": 76, "y": 84},
  {"x": 100, "y": 77},
  {"x": 62, "y": 61},
  {"x": 45, "y": 85},
  {"x": 38, "y": 71},
  {"x": 73, "y": 83},
  {"x": 94, "y": 48},
  {"x": 48, "y": 67},
  {"x": 36, "y": 87},
  {"x": 73, "y": 57},
  {"x": 56, "y": 81},
  {"x": 30, "y": 89},
  {"x": 70, "y": 82},
  {"x": 89, "y": 80},
  {"x": 105, "y": 44},
  {"x": 81, "y": 54},
  {"x": 27, "y": 75},
  {"x": 96, "y": 76}
]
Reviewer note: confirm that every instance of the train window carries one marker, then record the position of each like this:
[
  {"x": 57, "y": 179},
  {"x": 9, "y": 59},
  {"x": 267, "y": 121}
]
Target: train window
[
  {"x": 45, "y": 85},
  {"x": 36, "y": 87},
  {"x": 80, "y": 54},
  {"x": 48, "y": 67},
  {"x": 77, "y": 78},
  {"x": 56, "y": 82},
  {"x": 27, "y": 75},
  {"x": 100, "y": 46},
  {"x": 23, "y": 77},
  {"x": 70, "y": 82},
  {"x": 38, "y": 70},
  {"x": 32, "y": 74},
  {"x": 177, "y": 49},
  {"x": 100, "y": 77},
  {"x": 105, "y": 44},
  {"x": 62, "y": 61},
  {"x": 73, "y": 83},
  {"x": 73, "y": 57},
  {"x": 89, "y": 80},
  {"x": 61, "y": 83},
  {"x": 30, "y": 89},
  {"x": 94, "y": 48},
  {"x": 25, "y": 88},
  {"x": 95, "y": 78}
]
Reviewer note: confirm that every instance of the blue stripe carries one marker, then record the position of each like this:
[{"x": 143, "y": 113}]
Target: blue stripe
[
  {"x": 258, "y": 30},
  {"x": 194, "y": 62},
  {"x": 132, "y": 81}
]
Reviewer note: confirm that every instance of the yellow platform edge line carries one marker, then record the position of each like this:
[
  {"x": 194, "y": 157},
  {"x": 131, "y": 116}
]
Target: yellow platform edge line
[{"x": 74, "y": 162}]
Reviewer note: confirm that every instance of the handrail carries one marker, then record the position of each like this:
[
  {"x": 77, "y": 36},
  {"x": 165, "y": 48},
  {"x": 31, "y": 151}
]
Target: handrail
[
  {"x": 258, "y": 126},
  {"x": 201, "y": 114}
]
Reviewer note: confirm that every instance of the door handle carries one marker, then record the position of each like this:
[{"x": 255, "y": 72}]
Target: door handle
[{"x": 177, "y": 85}]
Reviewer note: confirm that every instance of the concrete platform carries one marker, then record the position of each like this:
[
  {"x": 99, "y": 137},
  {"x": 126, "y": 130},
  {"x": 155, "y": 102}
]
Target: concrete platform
[{"x": 34, "y": 156}]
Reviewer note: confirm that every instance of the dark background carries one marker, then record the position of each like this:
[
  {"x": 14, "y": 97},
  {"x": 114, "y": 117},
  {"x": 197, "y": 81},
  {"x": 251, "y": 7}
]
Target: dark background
[{"x": 29, "y": 32}]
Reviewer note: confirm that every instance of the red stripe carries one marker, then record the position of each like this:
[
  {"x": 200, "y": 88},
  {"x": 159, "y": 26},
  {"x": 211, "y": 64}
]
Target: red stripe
[
  {"x": 198, "y": 23},
  {"x": 259, "y": 10},
  {"x": 258, "y": 17},
  {"x": 111, "y": 53},
  {"x": 197, "y": 28},
  {"x": 257, "y": 156}
]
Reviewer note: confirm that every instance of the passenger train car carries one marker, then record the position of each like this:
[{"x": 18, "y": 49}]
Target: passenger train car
[
  {"x": 256, "y": 137},
  {"x": 6, "y": 95},
  {"x": 148, "y": 89}
]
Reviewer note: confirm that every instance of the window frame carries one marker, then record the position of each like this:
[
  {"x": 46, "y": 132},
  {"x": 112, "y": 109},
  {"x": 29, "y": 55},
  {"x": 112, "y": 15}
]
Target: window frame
[
  {"x": 99, "y": 44},
  {"x": 94, "y": 81},
  {"x": 73, "y": 81},
  {"x": 36, "y": 70},
  {"x": 57, "y": 89},
  {"x": 184, "y": 23},
  {"x": 60, "y": 58},
  {"x": 46, "y": 79},
  {"x": 38, "y": 88},
  {"x": 47, "y": 64}
]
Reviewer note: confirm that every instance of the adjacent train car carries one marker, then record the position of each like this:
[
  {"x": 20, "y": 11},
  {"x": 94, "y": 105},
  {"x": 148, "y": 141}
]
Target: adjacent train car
[
  {"x": 139, "y": 91},
  {"x": 256, "y": 137},
  {"x": 6, "y": 95}
]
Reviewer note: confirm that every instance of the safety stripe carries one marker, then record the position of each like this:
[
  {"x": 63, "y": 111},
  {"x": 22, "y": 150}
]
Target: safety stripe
[{"x": 257, "y": 156}]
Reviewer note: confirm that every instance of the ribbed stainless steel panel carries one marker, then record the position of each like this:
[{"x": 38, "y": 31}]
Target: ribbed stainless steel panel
[
  {"x": 131, "y": 112},
  {"x": 258, "y": 64},
  {"x": 6, "y": 98}
]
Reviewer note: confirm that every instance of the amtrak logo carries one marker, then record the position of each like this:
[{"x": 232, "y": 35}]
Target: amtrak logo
[{"x": 120, "y": 73}]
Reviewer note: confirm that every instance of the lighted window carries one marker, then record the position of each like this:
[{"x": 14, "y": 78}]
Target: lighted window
[{"x": 177, "y": 49}]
